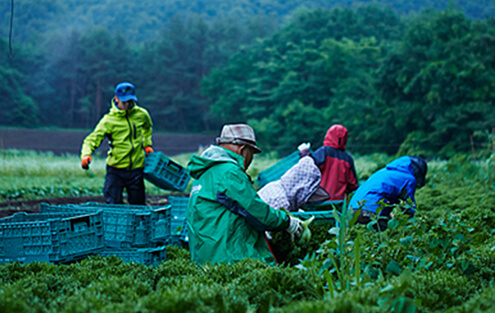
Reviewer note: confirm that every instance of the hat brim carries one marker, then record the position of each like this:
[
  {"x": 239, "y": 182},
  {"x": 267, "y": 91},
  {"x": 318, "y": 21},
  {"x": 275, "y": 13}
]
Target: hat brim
[
  {"x": 238, "y": 141},
  {"x": 255, "y": 147},
  {"x": 127, "y": 98}
]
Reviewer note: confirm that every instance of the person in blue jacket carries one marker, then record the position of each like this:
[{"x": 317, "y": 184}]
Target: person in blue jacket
[{"x": 388, "y": 186}]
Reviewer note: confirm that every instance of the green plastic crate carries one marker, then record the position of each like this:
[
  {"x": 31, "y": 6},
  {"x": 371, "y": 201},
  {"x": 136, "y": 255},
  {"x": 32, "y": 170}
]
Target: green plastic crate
[
  {"x": 160, "y": 217},
  {"x": 324, "y": 206},
  {"x": 178, "y": 208},
  {"x": 52, "y": 237},
  {"x": 146, "y": 256},
  {"x": 125, "y": 226},
  {"x": 165, "y": 173},
  {"x": 276, "y": 171},
  {"x": 319, "y": 215}
]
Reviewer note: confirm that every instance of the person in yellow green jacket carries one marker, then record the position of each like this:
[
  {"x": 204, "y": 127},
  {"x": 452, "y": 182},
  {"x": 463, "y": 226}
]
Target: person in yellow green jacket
[
  {"x": 128, "y": 129},
  {"x": 226, "y": 218}
]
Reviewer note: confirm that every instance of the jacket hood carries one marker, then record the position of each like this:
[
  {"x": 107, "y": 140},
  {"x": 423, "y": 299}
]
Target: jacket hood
[
  {"x": 411, "y": 165},
  {"x": 213, "y": 155},
  {"x": 301, "y": 181},
  {"x": 336, "y": 137},
  {"x": 420, "y": 168}
]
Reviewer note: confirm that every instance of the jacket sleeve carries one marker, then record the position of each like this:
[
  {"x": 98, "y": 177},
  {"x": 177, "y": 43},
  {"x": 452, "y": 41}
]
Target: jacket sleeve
[
  {"x": 240, "y": 198},
  {"x": 411, "y": 189},
  {"x": 352, "y": 181},
  {"x": 319, "y": 156},
  {"x": 147, "y": 130},
  {"x": 94, "y": 139}
]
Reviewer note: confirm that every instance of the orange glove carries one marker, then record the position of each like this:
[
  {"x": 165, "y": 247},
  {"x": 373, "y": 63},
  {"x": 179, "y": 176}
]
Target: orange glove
[
  {"x": 148, "y": 150},
  {"x": 85, "y": 162}
]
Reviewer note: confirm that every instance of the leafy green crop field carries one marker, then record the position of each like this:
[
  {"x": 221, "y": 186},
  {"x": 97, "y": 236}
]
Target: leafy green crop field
[
  {"x": 443, "y": 260},
  {"x": 29, "y": 175}
]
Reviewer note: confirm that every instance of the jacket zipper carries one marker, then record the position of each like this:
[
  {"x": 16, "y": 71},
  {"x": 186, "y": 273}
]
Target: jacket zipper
[{"x": 130, "y": 138}]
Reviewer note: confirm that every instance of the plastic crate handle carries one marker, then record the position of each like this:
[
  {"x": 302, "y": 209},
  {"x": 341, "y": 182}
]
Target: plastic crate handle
[
  {"x": 174, "y": 166},
  {"x": 80, "y": 224}
]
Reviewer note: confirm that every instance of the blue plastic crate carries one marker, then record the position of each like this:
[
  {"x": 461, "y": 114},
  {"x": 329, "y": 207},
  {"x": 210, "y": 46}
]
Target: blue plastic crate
[
  {"x": 184, "y": 236},
  {"x": 160, "y": 217},
  {"x": 324, "y": 206},
  {"x": 146, "y": 256},
  {"x": 276, "y": 171},
  {"x": 160, "y": 227},
  {"x": 52, "y": 237},
  {"x": 178, "y": 206},
  {"x": 165, "y": 173},
  {"x": 125, "y": 226},
  {"x": 319, "y": 215}
]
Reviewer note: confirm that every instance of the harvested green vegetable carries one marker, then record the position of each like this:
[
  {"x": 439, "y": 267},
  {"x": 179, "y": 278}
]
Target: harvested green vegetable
[{"x": 306, "y": 234}]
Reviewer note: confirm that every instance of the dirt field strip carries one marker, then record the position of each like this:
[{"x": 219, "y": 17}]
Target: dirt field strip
[{"x": 69, "y": 142}]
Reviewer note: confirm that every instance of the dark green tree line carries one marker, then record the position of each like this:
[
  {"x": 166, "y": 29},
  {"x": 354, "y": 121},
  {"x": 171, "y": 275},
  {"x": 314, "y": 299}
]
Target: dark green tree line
[
  {"x": 424, "y": 85},
  {"x": 418, "y": 83}
]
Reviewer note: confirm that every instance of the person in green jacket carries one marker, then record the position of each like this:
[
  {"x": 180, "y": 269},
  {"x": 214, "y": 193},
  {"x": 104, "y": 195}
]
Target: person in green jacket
[
  {"x": 226, "y": 218},
  {"x": 128, "y": 129}
]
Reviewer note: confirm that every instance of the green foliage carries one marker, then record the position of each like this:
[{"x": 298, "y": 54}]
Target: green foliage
[
  {"x": 30, "y": 175},
  {"x": 437, "y": 83},
  {"x": 442, "y": 260},
  {"x": 416, "y": 84}
]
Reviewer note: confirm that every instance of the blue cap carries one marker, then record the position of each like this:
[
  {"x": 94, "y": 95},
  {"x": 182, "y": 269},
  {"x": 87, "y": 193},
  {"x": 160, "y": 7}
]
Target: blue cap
[{"x": 126, "y": 92}]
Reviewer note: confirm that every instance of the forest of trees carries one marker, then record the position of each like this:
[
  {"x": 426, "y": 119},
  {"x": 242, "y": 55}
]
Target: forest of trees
[{"x": 416, "y": 83}]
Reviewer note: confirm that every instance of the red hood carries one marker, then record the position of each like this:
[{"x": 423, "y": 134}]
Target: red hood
[{"x": 336, "y": 137}]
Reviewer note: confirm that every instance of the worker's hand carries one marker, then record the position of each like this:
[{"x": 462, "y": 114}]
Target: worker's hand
[
  {"x": 148, "y": 150},
  {"x": 295, "y": 228},
  {"x": 304, "y": 149},
  {"x": 85, "y": 162}
]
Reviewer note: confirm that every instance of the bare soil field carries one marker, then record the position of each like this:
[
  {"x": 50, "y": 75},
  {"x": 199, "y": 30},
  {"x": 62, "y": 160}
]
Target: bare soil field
[
  {"x": 69, "y": 142},
  {"x": 32, "y": 206}
]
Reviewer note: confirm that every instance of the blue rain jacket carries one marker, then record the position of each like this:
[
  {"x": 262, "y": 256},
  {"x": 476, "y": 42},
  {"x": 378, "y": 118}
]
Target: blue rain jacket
[{"x": 391, "y": 184}]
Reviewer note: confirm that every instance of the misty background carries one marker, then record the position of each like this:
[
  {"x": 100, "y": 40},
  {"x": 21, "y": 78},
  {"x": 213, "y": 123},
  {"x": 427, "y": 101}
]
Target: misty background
[{"x": 402, "y": 76}]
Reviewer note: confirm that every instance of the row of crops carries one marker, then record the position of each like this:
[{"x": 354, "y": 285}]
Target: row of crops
[{"x": 443, "y": 260}]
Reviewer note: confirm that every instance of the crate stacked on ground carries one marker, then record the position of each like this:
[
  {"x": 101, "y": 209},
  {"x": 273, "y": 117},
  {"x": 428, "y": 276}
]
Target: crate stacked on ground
[
  {"x": 147, "y": 256},
  {"x": 178, "y": 226},
  {"x": 132, "y": 232},
  {"x": 51, "y": 237},
  {"x": 165, "y": 173},
  {"x": 126, "y": 226}
]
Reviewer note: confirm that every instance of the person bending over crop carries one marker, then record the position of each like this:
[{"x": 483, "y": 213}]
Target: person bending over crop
[
  {"x": 389, "y": 186},
  {"x": 338, "y": 175},
  {"x": 226, "y": 218},
  {"x": 299, "y": 185},
  {"x": 128, "y": 128}
]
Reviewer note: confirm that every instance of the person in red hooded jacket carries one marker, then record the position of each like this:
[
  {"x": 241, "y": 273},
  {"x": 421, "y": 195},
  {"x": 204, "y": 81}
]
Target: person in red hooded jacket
[{"x": 338, "y": 175}]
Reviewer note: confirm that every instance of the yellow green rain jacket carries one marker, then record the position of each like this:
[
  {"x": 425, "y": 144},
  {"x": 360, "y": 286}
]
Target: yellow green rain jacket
[
  {"x": 226, "y": 219},
  {"x": 128, "y": 132}
]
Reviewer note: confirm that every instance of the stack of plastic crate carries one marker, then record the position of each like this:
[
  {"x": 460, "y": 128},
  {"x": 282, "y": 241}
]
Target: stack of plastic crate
[
  {"x": 147, "y": 256},
  {"x": 165, "y": 173},
  {"x": 131, "y": 231},
  {"x": 178, "y": 226},
  {"x": 51, "y": 237}
]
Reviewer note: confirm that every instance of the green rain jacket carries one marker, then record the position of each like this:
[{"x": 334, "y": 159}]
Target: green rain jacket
[
  {"x": 226, "y": 218},
  {"x": 128, "y": 132}
]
